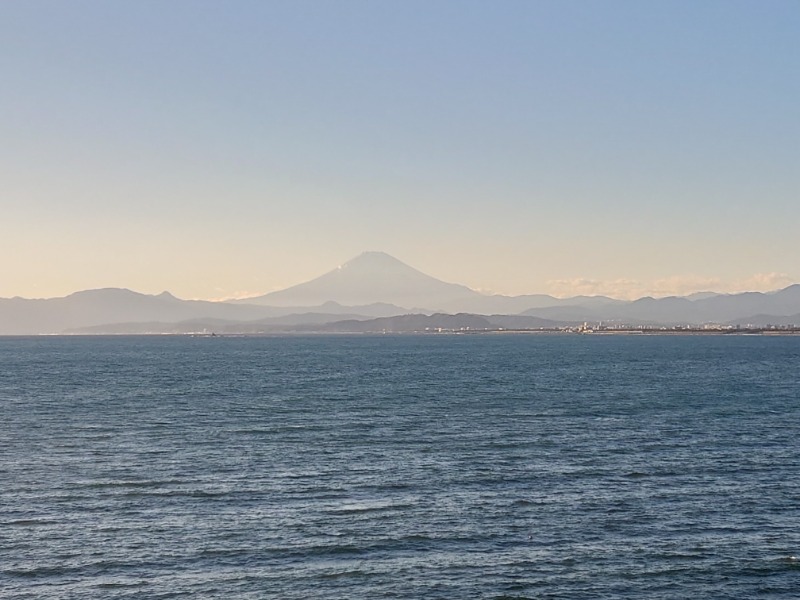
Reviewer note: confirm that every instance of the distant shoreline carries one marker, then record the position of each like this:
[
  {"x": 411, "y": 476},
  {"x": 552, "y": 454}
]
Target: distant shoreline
[{"x": 471, "y": 332}]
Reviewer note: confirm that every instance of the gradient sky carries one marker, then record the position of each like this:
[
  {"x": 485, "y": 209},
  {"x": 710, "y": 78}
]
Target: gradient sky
[{"x": 229, "y": 148}]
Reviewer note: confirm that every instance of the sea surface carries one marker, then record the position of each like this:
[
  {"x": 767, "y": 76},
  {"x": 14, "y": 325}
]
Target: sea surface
[{"x": 430, "y": 466}]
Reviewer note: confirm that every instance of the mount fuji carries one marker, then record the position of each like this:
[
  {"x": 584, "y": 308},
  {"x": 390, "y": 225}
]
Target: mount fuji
[{"x": 371, "y": 278}]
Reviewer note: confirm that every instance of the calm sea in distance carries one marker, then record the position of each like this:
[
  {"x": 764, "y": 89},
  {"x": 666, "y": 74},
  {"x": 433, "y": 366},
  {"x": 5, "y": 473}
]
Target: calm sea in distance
[{"x": 430, "y": 466}]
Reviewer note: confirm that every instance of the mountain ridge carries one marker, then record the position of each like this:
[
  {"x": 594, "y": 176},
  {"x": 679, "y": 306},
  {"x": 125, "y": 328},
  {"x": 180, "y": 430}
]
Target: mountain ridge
[{"x": 375, "y": 285}]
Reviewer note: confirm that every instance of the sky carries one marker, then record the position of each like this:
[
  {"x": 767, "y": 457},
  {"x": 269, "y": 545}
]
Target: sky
[{"x": 222, "y": 149}]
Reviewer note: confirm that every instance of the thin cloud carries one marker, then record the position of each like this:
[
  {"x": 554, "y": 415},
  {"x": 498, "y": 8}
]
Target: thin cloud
[
  {"x": 240, "y": 295},
  {"x": 617, "y": 288},
  {"x": 766, "y": 282},
  {"x": 676, "y": 285}
]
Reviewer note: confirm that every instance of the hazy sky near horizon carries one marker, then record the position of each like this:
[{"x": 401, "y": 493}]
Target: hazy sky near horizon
[{"x": 230, "y": 148}]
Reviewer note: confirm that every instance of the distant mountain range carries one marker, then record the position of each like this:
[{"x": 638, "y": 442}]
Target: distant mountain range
[{"x": 376, "y": 292}]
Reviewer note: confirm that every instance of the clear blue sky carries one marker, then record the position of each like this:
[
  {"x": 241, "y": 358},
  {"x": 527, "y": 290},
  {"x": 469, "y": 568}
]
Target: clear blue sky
[{"x": 232, "y": 147}]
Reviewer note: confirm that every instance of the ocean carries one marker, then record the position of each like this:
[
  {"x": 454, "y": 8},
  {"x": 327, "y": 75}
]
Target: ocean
[{"x": 420, "y": 466}]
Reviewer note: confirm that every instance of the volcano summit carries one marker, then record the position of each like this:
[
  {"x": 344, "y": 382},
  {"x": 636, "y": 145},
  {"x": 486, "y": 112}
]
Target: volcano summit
[{"x": 369, "y": 278}]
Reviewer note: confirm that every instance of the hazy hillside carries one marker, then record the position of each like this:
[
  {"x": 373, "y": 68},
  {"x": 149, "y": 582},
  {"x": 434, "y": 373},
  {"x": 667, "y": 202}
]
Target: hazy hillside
[
  {"x": 410, "y": 323},
  {"x": 85, "y": 311},
  {"x": 95, "y": 307},
  {"x": 708, "y": 308}
]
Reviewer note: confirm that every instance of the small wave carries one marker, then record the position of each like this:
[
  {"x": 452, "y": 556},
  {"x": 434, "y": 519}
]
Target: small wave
[
  {"x": 29, "y": 523},
  {"x": 347, "y": 549},
  {"x": 144, "y": 483},
  {"x": 301, "y": 474},
  {"x": 254, "y": 431},
  {"x": 416, "y": 537},
  {"x": 363, "y": 507},
  {"x": 343, "y": 574},
  {"x": 36, "y": 572},
  {"x": 121, "y": 584},
  {"x": 523, "y": 502},
  {"x": 176, "y": 494},
  {"x": 224, "y": 552}
]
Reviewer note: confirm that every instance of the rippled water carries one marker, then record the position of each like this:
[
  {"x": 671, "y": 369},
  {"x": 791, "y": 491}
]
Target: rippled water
[{"x": 400, "y": 467}]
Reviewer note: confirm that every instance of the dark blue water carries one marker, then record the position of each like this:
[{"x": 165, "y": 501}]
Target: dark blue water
[{"x": 400, "y": 467}]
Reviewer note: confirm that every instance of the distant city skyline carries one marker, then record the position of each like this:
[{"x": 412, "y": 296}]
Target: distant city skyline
[{"x": 221, "y": 150}]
